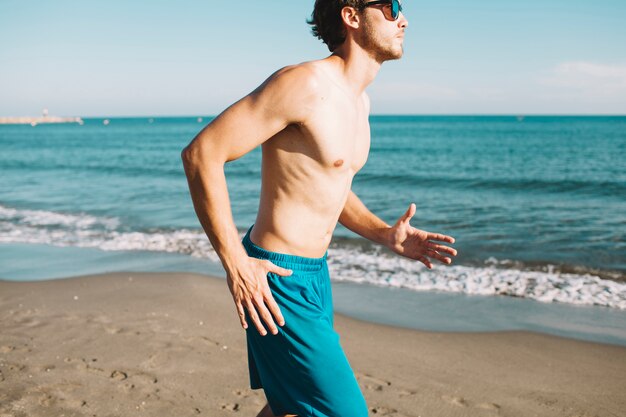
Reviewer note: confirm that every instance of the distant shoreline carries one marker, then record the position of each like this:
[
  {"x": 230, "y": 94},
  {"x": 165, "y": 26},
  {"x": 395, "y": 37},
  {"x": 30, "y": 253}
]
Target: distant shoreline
[
  {"x": 76, "y": 119},
  {"x": 33, "y": 121}
]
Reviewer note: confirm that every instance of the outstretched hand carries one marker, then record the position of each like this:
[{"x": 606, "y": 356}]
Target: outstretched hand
[{"x": 417, "y": 244}]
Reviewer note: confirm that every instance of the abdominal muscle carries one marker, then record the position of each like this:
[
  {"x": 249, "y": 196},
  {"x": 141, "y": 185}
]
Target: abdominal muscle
[{"x": 301, "y": 201}]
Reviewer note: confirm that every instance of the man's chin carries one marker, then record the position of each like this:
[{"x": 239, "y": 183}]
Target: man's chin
[
  {"x": 390, "y": 54},
  {"x": 393, "y": 55}
]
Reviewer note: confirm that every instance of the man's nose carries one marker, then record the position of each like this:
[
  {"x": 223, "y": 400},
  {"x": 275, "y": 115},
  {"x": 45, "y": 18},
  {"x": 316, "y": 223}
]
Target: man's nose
[{"x": 402, "y": 22}]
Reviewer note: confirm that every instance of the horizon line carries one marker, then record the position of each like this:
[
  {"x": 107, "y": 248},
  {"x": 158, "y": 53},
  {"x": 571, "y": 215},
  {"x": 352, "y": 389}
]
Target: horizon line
[{"x": 171, "y": 116}]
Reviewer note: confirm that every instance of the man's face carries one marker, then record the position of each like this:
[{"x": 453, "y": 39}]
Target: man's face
[{"x": 381, "y": 36}]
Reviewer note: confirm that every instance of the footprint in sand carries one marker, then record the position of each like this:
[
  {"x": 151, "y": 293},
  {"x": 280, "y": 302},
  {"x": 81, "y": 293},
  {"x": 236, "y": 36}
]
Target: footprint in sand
[
  {"x": 488, "y": 406},
  {"x": 51, "y": 395},
  {"x": 94, "y": 369},
  {"x": 113, "y": 329},
  {"x": 371, "y": 382},
  {"x": 19, "y": 367},
  {"x": 119, "y": 375},
  {"x": 85, "y": 365},
  {"x": 44, "y": 368},
  {"x": 128, "y": 386},
  {"x": 11, "y": 348},
  {"x": 462, "y": 402},
  {"x": 230, "y": 407},
  {"x": 105, "y": 323},
  {"x": 46, "y": 400},
  {"x": 458, "y": 401},
  {"x": 383, "y": 411},
  {"x": 30, "y": 322},
  {"x": 249, "y": 396},
  {"x": 406, "y": 393},
  {"x": 156, "y": 360},
  {"x": 144, "y": 378},
  {"x": 203, "y": 339},
  {"x": 76, "y": 403},
  {"x": 241, "y": 393},
  {"x": 141, "y": 382}
]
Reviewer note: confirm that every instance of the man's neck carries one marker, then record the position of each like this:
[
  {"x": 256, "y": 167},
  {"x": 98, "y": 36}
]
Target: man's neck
[{"x": 357, "y": 66}]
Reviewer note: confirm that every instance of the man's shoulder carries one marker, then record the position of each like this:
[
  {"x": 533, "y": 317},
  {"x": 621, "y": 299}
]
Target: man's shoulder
[
  {"x": 305, "y": 77},
  {"x": 295, "y": 90}
]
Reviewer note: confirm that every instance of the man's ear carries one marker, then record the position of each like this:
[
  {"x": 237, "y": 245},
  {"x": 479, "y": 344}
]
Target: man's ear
[{"x": 350, "y": 17}]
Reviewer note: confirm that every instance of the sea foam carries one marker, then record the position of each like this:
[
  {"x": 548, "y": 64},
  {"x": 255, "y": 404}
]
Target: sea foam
[{"x": 371, "y": 265}]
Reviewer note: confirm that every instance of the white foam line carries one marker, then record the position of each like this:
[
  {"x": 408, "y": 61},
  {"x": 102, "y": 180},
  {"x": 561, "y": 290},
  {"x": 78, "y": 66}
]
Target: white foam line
[
  {"x": 346, "y": 263},
  {"x": 49, "y": 218},
  {"x": 394, "y": 271}
]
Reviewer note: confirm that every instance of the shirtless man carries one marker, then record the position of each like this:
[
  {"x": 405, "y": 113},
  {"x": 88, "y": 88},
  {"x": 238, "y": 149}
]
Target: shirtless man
[{"x": 312, "y": 122}]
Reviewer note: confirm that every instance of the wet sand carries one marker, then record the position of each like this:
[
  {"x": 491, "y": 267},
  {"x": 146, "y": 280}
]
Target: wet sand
[{"x": 170, "y": 344}]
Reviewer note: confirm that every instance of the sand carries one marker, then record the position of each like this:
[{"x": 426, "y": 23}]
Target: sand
[{"x": 170, "y": 344}]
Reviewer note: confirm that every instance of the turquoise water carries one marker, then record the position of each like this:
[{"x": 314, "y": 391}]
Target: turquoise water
[{"x": 537, "y": 205}]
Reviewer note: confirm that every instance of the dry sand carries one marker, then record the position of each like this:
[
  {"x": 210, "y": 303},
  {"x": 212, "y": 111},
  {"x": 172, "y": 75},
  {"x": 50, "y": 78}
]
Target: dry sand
[{"x": 129, "y": 344}]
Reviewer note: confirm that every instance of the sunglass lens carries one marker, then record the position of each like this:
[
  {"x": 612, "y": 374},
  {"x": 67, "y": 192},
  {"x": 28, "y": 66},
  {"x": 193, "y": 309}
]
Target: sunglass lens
[{"x": 395, "y": 9}]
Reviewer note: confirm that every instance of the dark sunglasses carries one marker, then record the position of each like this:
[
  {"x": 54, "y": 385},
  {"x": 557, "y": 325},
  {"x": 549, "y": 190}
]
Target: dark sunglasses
[{"x": 393, "y": 6}]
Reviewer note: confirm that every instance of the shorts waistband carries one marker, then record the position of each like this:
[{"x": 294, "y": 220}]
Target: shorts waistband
[{"x": 284, "y": 260}]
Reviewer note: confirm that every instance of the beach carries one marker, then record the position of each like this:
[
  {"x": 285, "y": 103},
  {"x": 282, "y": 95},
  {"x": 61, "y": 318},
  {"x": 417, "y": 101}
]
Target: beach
[
  {"x": 163, "y": 344},
  {"x": 493, "y": 126},
  {"x": 528, "y": 321}
]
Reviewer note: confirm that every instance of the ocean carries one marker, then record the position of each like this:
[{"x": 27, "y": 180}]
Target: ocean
[{"x": 537, "y": 206}]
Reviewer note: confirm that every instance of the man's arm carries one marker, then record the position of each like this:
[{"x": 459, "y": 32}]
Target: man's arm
[
  {"x": 286, "y": 97},
  {"x": 356, "y": 217},
  {"x": 401, "y": 238}
]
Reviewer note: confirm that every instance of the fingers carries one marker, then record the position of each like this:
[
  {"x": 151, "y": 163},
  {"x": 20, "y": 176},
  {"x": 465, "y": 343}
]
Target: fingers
[
  {"x": 277, "y": 269},
  {"x": 254, "y": 317},
  {"x": 438, "y": 256},
  {"x": 442, "y": 248},
  {"x": 259, "y": 313},
  {"x": 269, "y": 299},
  {"x": 423, "y": 254},
  {"x": 256, "y": 297},
  {"x": 443, "y": 238},
  {"x": 425, "y": 261},
  {"x": 257, "y": 310},
  {"x": 275, "y": 310},
  {"x": 242, "y": 315},
  {"x": 266, "y": 316},
  {"x": 435, "y": 249}
]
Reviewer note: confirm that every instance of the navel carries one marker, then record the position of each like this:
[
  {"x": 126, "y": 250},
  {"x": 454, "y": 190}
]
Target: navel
[{"x": 338, "y": 162}]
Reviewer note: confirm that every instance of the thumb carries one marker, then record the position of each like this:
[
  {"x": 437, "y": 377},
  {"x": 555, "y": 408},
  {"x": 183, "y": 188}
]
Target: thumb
[
  {"x": 409, "y": 213},
  {"x": 280, "y": 271}
]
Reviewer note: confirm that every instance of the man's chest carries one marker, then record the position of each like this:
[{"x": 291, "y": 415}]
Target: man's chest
[{"x": 341, "y": 140}]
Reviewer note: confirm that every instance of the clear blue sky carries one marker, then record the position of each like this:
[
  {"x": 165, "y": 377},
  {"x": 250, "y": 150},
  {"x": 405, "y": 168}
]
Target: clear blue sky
[{"x": 117, "y": 58}]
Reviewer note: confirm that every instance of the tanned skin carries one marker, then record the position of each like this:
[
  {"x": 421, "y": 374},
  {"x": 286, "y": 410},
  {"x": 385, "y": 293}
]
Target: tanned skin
[{"x": 311, "y": 120}]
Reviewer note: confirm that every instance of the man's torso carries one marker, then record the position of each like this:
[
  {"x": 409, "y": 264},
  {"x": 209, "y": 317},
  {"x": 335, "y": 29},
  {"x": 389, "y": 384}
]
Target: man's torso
[{"x": 307, "y": 170}]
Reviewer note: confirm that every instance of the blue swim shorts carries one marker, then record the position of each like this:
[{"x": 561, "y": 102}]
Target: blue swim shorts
[{"x": 302, "y": 369}]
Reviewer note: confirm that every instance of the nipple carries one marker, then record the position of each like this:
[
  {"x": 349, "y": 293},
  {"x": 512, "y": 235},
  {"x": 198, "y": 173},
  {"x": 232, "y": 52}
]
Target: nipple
[{"x": 338, "y": 162}]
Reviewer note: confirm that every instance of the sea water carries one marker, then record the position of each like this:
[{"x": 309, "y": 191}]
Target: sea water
[{"x": 537, "y": 206}]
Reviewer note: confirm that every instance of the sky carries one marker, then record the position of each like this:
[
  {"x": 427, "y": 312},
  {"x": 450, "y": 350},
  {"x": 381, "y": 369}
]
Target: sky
[{"x": 166, "y": 58}]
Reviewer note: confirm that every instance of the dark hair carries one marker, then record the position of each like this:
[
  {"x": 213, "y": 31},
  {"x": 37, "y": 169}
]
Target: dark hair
[{"x": 327, "y": 23}]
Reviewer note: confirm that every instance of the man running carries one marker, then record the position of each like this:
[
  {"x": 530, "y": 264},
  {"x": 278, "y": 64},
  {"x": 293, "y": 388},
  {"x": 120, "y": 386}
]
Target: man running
[{"x": 311, "y": 120}]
